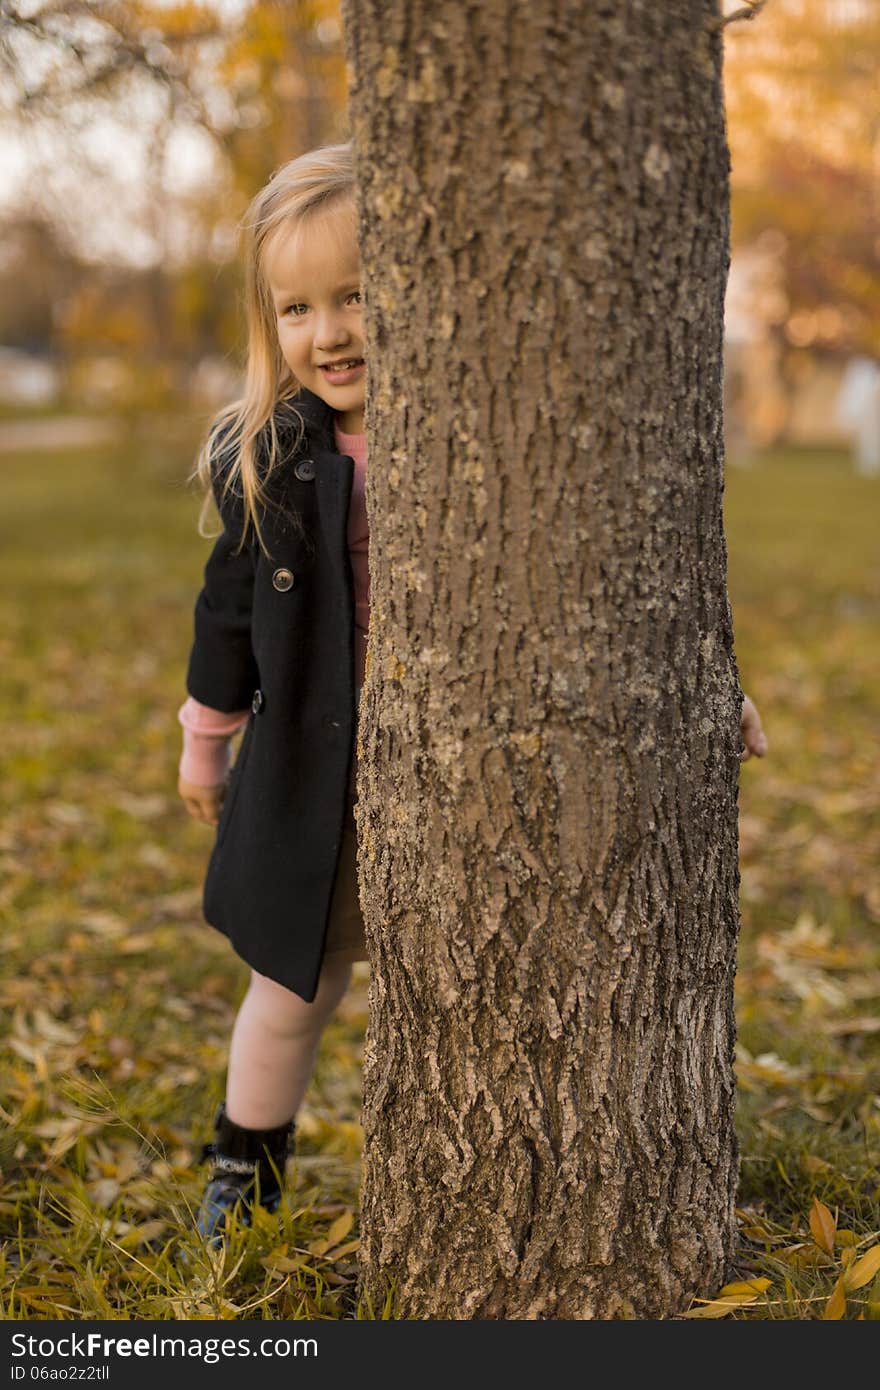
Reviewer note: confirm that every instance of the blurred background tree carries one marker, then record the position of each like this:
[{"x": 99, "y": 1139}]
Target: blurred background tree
[
  {"x": 133, "y": 135},
  {"x": 138, "y": 133},
  {"x": 804, "y": 299},
  {"x": 804, "y": 132}
]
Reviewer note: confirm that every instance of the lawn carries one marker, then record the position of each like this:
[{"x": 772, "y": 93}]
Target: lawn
[{"x": 117, "y": 1002}]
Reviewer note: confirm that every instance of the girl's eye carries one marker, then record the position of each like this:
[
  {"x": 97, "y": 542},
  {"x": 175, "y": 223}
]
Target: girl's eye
[
  {"x": 356, "y": 294},
  {"x": 296, "y": 311}
]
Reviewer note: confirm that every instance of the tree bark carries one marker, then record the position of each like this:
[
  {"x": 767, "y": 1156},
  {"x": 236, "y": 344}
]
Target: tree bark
[{"x": 549, "y": 738}]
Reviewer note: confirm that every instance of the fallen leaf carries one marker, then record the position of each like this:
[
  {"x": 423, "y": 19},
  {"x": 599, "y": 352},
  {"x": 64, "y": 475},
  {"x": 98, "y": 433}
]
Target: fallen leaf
[
  {"x": 835, "y": 1308},
  {"x": 822, "y": 1226},
  {"x": 744, "y": 1286},
  {"x": 863, "y": 1270},
  {"x": 340, "y": 1228},
  {"x": 720, "y": 1307}
]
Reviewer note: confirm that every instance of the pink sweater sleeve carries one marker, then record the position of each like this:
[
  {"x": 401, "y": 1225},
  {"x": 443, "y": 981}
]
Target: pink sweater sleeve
[{"x": 207, "y": 742}]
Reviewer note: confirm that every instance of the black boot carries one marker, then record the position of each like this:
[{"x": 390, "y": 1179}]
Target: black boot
[{"x": 248, "y": 1167}]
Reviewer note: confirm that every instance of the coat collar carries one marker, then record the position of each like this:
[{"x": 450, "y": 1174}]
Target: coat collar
[{"x": 316, "y": 415}]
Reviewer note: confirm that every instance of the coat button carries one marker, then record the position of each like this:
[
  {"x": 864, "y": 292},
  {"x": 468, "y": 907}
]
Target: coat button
[
  {"x": 305, "y": 471},
  {"x": 282, "y": 580},
  {"x": 258, "y": 701}
]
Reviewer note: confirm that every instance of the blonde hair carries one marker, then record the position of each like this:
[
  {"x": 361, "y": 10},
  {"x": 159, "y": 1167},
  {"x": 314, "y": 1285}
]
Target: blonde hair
[{"x": 242, "y": 444}]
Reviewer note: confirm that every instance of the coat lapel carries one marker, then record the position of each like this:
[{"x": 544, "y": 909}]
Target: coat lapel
[{"x": 334, "y": 473}]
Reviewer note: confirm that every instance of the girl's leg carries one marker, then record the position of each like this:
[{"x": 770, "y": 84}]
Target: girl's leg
[{"x": 274, "y": 1045}]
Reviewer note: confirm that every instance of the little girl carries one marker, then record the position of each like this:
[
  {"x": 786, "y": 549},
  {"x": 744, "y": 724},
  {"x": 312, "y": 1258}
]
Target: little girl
[{"x": 280, "y": 645}]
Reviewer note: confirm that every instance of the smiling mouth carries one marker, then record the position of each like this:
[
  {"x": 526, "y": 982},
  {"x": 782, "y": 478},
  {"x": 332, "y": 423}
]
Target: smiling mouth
[{"x": 345, "y": 366}]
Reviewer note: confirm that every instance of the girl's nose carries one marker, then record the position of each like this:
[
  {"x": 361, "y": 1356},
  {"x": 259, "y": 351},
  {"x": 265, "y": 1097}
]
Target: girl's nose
[{"x": 330, "y": 331}]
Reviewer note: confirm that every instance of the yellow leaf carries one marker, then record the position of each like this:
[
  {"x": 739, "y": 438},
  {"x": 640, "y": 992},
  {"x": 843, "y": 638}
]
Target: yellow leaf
[
  {"x": 745, "y": 1286},
  {"x": 139, "y": 1235},
  {"x": 822, "y": 1226},
  {"x": 720, "y": 1307},
  {"x": 759, "y": 1233},
  {"x": 864, "y": 1269},
  {"x": 845, "y": 1237},
  {"x": 342, "y": 1250},
  {"x": 801, "y": 1256},
  {"x": 340, "y": 1228},
  {"x": 836, "y": 1305},
  {"x": 811, "y": 1164},
  {"x": 45, "y": 1026}
]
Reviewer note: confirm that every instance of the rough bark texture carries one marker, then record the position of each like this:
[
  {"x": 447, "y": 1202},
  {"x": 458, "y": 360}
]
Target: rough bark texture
[{"x": 550, "y": 722}]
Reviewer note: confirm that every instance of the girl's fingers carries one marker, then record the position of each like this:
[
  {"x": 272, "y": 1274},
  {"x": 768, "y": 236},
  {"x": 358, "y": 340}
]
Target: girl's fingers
[
  {"x": 753, "y": 736},
  {"x": 754, "y": 743}
]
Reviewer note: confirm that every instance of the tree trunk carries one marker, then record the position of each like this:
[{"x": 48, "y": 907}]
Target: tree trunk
[{"x": 549, "y": 734}]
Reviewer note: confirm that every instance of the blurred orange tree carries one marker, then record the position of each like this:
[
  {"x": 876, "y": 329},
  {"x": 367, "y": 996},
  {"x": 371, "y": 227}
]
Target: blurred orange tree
[
  {"x": 266, "y": 80},
  {"x": 804, "y": 132},
  {"x": 256, "y": 89}
]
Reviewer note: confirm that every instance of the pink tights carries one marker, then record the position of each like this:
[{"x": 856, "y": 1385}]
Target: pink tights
[{"x": 274, "y": 1046}]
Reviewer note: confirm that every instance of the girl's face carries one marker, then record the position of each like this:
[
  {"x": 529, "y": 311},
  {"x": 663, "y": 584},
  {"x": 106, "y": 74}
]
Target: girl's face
[{"x": 313, "y": 272}]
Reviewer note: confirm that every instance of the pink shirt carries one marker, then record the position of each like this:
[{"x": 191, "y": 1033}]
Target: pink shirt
[{"x": 208, "y": 733}]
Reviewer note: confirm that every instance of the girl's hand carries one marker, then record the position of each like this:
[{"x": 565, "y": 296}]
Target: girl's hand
[
  {"x": 753, "y": 735},
  {"x": 203, "y": 803}
]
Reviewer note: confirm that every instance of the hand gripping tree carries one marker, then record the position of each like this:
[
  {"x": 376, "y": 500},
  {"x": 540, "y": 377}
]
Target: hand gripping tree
[{"x": 550, "y": 737}]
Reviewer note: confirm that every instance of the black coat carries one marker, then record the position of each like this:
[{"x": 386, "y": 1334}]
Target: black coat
[{"x": 277, "y": 634}]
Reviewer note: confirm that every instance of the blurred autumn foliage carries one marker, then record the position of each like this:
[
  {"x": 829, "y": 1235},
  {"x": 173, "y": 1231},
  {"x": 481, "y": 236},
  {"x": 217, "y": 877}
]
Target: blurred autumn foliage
[
  {"x": 145, "y": 128},
  {"x": 804, "y": 133}
]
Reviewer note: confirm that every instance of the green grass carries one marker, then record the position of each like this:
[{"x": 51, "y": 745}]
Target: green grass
[
  {"x": 117, "y": 1001},
  {"x": 805, "y": 588}
]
